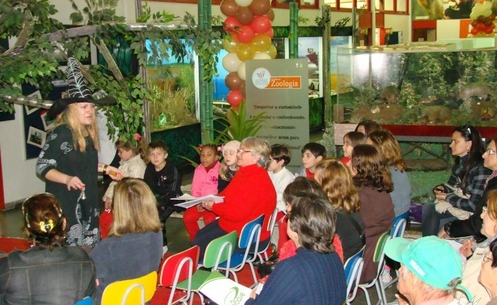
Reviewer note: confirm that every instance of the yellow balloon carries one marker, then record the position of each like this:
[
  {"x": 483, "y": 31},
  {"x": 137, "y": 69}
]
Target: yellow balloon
[
  {"x": 261, "y": 42},
  {"x": 272, "y": 51},
  {"x": 230, "y": 45},
  {"x": 245, "y": 51}
]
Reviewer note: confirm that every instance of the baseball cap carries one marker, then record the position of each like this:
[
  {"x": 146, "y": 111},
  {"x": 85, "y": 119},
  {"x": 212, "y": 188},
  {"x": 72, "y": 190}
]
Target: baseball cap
[{"x": 433, "y": 260}]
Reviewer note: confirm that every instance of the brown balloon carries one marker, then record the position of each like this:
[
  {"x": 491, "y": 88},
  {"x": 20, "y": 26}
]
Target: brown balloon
[
  {"x": 270, "y": 14},
  {"x": 233, "y": 81},
  {"x": 244, "y": 15},
  {"x": 260, "y": 7},
  {"x": 229, "y": 8},
  {"x": 242, "y": 89}
]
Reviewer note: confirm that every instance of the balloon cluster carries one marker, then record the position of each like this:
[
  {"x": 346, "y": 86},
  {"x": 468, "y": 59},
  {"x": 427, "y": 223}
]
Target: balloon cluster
[
  {"x": 483, "y": 19},
  {"x": 248, "y": 23}
]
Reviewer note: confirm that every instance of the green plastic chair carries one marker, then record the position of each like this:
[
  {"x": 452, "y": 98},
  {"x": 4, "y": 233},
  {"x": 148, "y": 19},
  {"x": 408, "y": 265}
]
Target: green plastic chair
[
  {"x": 218, "y": 251},
  {"x": 378, "y": 257}
]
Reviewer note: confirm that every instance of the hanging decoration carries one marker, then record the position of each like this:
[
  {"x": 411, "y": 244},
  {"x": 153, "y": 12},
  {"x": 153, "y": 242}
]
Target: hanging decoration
[{"x": 249, "y": 25}]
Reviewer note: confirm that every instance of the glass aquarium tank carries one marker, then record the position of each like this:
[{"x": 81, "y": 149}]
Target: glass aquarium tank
[{"x": 417, "y": 84}]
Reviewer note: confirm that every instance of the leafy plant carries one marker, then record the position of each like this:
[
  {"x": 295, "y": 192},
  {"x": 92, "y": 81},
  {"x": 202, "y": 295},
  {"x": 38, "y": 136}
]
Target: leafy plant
[{"x": 238, "y": 125}]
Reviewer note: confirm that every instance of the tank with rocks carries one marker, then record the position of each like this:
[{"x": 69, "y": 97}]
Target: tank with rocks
[{"x": 418, "y": 84}]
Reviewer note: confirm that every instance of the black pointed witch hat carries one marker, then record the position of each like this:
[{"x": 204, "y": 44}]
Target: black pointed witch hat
[{"x": 78, "y": 91}]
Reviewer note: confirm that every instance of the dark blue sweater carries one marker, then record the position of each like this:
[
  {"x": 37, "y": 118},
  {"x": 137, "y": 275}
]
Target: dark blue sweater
[{"x": 308, "y": 278}]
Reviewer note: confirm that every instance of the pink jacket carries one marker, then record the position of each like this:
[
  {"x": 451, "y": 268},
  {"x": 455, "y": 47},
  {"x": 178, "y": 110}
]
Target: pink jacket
[{"x": 205, "y": 183}]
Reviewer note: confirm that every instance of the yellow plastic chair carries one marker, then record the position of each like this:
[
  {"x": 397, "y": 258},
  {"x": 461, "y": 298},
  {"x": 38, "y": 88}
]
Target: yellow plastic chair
[{"x": 131, "y": 292}]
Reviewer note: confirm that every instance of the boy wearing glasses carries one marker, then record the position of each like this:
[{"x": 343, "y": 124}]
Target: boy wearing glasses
[{"x": 281, "y": 177}]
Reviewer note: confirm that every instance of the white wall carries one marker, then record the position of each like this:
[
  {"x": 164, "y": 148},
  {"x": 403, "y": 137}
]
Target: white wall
[
  {"x": 19, "y": 177},
  {"x": 399, "y": 23}
]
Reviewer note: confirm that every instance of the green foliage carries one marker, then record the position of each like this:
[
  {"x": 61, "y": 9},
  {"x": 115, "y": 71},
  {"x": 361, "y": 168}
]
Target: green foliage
[
  {"x": 32, "y": 61},
  {"x": 35, "y": 62},
  {"x": 238, "y": 125}
]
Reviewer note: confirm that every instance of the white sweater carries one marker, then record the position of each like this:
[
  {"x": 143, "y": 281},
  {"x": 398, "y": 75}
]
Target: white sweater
[{"x": 134, "y": 168}]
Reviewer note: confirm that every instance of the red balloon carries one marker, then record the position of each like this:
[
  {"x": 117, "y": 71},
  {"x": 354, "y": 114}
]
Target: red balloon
[
  {"x": 260, "y": 7},
  {"x": 270, "y": 14},
  {"x": 244, "y": 15},
  {"x": 234, "y": 98},
  {"x": 229, "y": 7},
  {"x": 243, "y": 89},
  {"x": 231, "y": 25},
  {"x": 261, "y": 24},
  {"x": 246, "y": 34},
  {"x": 270, "y": 33},
  {"x": 233, "y": 81}
]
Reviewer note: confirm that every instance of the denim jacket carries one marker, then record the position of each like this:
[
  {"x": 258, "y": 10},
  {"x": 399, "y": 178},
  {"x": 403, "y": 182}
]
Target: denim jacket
[{"x": 40, "y": 276}]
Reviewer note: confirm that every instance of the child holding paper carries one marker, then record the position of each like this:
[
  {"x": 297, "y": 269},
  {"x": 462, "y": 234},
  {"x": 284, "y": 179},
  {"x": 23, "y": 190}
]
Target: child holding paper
[{"x": 205, "y": 182}]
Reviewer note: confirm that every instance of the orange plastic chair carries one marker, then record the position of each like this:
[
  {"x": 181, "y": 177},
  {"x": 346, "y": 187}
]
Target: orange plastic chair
[{"x": 177, "y": 268}]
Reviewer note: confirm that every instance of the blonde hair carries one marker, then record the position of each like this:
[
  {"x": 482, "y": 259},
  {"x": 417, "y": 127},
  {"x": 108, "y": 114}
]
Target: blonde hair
[
  {"x": 224, "y": 170},
  {"x": 258, "y": 147},
  {"x": 134, "y": 208},
  {"x": 492, "y": 204},
  {"x": 389, "y": 147},
  {"x": 336, "y": 181},
  {"x": 70, "y": 117}
]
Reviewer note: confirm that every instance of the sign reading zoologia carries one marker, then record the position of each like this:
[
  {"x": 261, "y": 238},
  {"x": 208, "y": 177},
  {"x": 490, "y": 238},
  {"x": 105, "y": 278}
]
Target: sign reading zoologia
[{"x": 278, "y": 88}]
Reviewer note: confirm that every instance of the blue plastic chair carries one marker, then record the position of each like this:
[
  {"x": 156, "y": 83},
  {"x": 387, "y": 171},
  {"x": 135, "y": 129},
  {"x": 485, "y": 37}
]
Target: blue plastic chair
[
  {"x": 353, "y": 270},
  {"x": 249, "y": 242},
  {"x": 85, "y": 301}
]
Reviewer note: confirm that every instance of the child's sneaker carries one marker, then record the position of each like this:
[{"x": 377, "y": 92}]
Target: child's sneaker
[
  {"x": 385, "y": 276},
  {"x": 164, "y": 250}
]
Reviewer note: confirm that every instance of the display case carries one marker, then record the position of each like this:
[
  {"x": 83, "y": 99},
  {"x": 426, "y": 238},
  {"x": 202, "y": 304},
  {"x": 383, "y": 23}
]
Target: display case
[{"x": 418, "y": 84}]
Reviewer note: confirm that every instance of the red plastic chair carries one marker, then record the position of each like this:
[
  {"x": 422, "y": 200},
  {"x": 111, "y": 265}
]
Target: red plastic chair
[
  {"x": 177, "y": 268},
  {"x": 9, "y": 244}
]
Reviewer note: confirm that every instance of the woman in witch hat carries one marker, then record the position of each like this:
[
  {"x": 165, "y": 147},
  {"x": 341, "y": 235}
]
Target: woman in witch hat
[{"x": 69, "y": 162}]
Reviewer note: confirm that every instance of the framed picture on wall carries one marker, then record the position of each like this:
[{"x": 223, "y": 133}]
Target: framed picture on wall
[
  {"x": 36, "y": 137},
  {"x": 47, "y": 123},
  {"x": 36, "y": 94}
]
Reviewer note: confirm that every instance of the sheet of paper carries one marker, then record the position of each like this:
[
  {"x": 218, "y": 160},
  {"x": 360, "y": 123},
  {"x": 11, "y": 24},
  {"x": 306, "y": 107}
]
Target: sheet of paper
[
  {"x": 196, "y": 200},
  {"x": 224, "y": 291}
]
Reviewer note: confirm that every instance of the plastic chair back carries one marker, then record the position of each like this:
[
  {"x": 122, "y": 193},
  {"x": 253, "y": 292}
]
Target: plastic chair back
[
  {"x": 177, "y": 268},
  {"x": 353, "y": 269},
  {"x": 220, "y": 250},
  {"x": 85, "y": 301},
  {"x": 251, "y": 233},
  {"x": 131, "y": 292},
  {"x": 262, "y": 254},
  {"x": 379, "y": 254},
  {"x": 399, "y": 227}
]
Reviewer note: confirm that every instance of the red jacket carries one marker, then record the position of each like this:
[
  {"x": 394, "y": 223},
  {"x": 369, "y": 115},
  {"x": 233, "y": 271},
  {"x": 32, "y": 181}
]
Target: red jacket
[{"x": 250, "y": 194}]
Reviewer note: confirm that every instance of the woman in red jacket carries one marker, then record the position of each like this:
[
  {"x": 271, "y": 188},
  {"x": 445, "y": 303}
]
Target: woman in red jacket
[{"x": 250, "y": 194}]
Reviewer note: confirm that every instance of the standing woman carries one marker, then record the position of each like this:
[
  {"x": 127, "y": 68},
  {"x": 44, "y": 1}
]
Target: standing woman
[
  {"x": 49, "y": 272},
  {"x": 390, "y": 148},
  {"x": 465, "y": 186},
  {"x": 372, "y": 179},
  {"x": 69, "y": 163}
]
